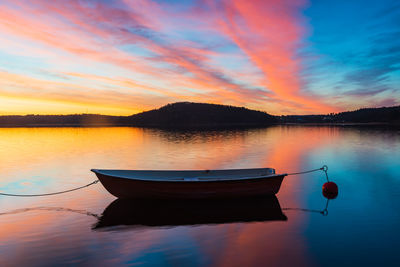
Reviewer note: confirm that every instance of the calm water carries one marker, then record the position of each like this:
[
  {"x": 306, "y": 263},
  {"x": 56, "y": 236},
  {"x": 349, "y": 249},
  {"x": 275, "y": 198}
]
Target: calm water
[{"x": 362, "y": 225}]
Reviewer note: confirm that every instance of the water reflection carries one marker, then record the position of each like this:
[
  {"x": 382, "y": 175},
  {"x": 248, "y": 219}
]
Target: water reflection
[
  {"x": 125, "y": 212},
  {"x": 159, "y": 213},
  {"x": 196, "y": 136},
  {"x": 364, "y": 219}
]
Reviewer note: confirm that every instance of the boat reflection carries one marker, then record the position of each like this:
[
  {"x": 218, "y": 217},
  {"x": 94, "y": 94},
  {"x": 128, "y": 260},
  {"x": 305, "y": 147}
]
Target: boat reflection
[
  {"x": 125, "y": 212},
  {"x": 122, "y": 213}
]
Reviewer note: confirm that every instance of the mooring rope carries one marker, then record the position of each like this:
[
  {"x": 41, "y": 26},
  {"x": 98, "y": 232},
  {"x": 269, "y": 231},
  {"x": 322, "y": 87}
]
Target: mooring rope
[
  {"x": 323, "y": 212},
  {"x": 323, "y": 168},
  {"x": 84, "y": 212},
  {"x": 49, "y": 194}
]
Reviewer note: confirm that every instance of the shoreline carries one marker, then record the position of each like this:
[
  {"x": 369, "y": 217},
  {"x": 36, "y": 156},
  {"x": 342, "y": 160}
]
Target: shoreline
[{"x": 200, "y": 127}]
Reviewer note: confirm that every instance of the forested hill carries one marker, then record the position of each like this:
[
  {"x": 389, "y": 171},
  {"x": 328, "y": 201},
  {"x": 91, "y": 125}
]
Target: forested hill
[
  {"x": 200, "y": 114},
  {"x": 388, "y": 115}
]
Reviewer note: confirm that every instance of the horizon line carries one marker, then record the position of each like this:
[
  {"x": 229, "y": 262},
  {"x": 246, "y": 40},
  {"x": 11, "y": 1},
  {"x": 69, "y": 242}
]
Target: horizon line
[{"x": 98, "y": 114}]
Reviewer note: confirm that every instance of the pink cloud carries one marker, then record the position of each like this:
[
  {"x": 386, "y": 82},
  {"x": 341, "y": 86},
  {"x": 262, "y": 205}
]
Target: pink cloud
[
  {"x": 270, "y": 33},
  {"x": 178, "y": 68}
]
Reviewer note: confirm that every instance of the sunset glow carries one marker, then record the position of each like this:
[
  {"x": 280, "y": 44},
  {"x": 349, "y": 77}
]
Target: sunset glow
[{"x": 122, "y": 57}]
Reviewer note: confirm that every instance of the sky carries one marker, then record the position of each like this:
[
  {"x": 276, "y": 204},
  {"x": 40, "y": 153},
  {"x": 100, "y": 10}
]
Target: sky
[{"x": 121, "y": 57}]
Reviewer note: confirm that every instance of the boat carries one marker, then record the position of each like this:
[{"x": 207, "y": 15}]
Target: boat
[
  {"x": 190, "y": 184},
  {"x": 125, "y": 214}
]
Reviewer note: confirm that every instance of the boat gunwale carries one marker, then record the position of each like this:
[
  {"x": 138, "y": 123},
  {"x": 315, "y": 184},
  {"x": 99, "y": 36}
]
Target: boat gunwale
[{"x": 189, "y": 179}]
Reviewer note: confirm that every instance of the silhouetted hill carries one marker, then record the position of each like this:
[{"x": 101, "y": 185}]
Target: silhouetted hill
[
  {"x": 389, "y": 115},
  {"x": 384, "y": 114},
  {"x": 186, "y": 114},
  {"x": 200, "y": 115}
]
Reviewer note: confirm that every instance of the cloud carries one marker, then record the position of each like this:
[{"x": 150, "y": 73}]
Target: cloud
[
  {"x": 368, "y": 92},
  {"x": 98, "y": 31},
  {"x": 247, "y": 53},
  {"x": 375, "y": 71},
  {"x": 388, "y": 102},
  {"x": 270, "y": 33},
  {"x": 354, "y": 56},
  {"x": 70, "y": 92}
]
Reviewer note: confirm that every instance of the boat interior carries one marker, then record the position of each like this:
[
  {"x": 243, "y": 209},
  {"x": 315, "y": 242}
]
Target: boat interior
[{"x": 189, "y": 175}]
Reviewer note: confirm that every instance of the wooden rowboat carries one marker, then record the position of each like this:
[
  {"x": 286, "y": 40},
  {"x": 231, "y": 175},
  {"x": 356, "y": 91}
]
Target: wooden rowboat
[{"x": 200, "y": 184}]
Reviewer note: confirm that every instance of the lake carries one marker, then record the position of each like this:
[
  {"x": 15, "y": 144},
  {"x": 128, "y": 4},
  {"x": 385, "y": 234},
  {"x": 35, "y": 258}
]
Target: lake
[{"x": 361, "y": 226}]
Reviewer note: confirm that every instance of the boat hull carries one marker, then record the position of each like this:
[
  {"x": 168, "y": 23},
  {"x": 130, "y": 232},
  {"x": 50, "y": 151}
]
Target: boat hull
[{"x": 144, "y": 189}]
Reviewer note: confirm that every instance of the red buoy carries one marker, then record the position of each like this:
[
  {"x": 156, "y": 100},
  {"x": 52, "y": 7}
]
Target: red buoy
[{"x": 330, "y": 190}]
